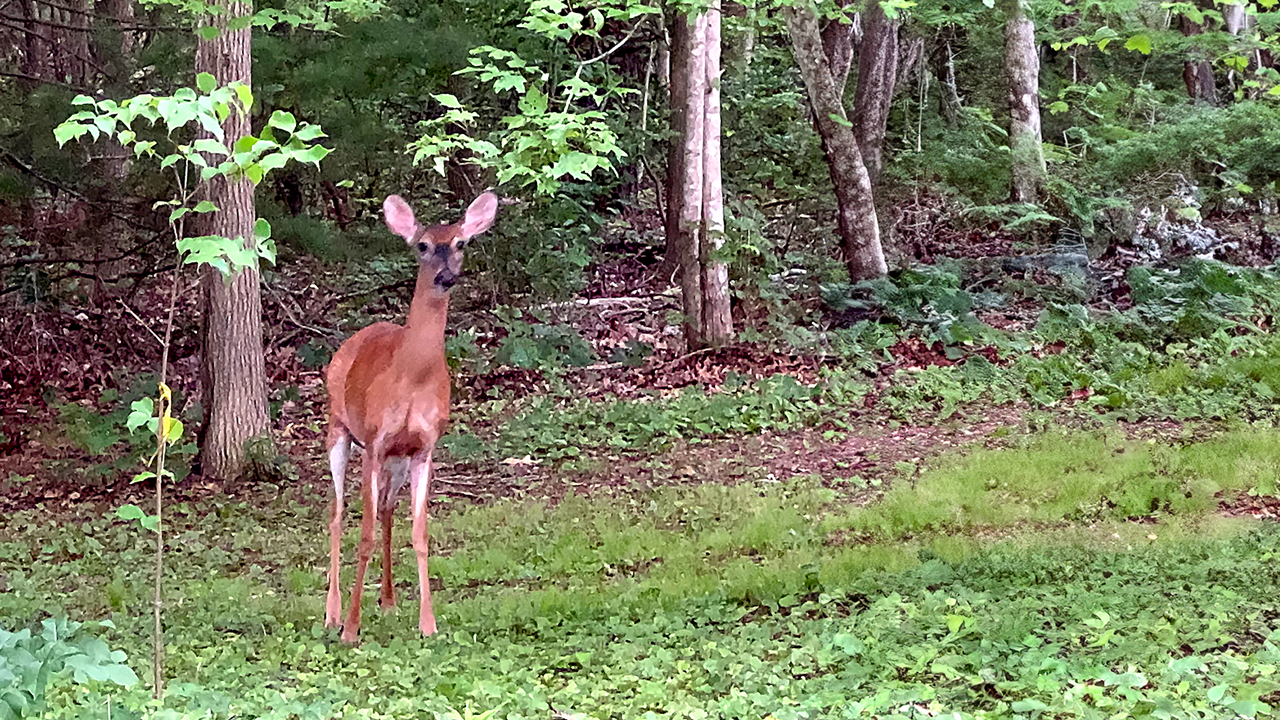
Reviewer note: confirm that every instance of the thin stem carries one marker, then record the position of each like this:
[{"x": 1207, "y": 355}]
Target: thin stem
[{"x": 166, "y": 403}]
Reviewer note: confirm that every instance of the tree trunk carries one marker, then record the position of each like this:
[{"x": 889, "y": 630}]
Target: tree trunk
[
  {"x": 693, "y": 65},
  {"x": 837, "y": 45},
  {"x": 951, "y": 103},
  {"x": 1022, "y": 67},
  {"x": 677, "y": 91},
  {"x": 856, "y": 214},
  {"x": 695, "y": 196},
  {"x": 717, "y": 322},
  {"x": 739, "y": 56},
  {"x": 877, "y": 78},
  {"x": 233, "y": 372},
  {"x": 1197, "y": 72}
]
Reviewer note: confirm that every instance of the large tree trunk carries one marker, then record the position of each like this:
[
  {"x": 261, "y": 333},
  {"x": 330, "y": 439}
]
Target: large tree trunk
[
  {"x": 856, "y": 214},
  {"x": 1022, "y": 68},
  {"x": 838, "y": 39},
  {"x": 233, "y": 372},
  {"x": 877, "y": 78}
]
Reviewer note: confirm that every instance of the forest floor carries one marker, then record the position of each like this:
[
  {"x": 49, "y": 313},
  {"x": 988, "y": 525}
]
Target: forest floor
[{"x": 1036, "y": 523}]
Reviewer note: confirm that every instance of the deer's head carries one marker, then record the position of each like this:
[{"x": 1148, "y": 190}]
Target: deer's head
[{"x": 439, "y": 247}]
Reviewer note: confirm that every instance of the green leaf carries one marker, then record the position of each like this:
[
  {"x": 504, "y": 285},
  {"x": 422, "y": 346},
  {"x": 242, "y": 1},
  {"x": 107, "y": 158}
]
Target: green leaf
[
  {"x": 244, "y": 94},
  {"x": 273, "y": 162},
  {"x": 68, "y": 131},
  {"x": 83, "y": 100},
  {"x": 534, "y": 102},
  {"x": 142, "y": 411},
  {"x": 209, "y": 145},
  {"x": 1058, "y": 107},
  {"x": 208, "y": 32},
  {"x": 283, "y": 120},
  {"x": 175, "y": 431},
  {"x": 254, "y": 172},
  {"x": 143, "y": 476},
  {"x": 309, "y": 132},
  {"x": 448, "y": 101},
  {"x": 206, "y": 82},
  {"x": 314, "y": 154},
  {"x": 840, "y": 120},
  {"x": 205, "y": 206},
  {"x": 1140, "y": 42},
  {"x": 130, "y": 512}
]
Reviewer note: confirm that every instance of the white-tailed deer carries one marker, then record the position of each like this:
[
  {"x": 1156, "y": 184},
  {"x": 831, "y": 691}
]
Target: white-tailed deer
[{"x": 389, "y": 392}]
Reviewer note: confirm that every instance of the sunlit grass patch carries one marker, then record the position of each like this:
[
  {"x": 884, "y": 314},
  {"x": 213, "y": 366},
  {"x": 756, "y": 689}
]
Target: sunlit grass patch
[{"x": 1061, "y": 477}]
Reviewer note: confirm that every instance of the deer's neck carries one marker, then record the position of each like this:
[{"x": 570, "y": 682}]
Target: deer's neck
[{"x": 424, "y": 329}]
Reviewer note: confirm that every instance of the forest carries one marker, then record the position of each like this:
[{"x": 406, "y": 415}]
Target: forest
[{"x": 799, "y": 359}]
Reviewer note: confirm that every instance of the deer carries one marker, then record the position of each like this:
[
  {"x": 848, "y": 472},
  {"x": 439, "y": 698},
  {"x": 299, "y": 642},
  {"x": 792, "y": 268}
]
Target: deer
[{"x": 389, "y": 394}]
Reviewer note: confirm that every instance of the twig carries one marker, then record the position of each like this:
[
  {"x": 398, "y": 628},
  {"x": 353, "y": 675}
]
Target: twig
[
  {"x": 583, "y": 63},
  {"x": 463, "y": 493},
  {"x": 293, "y": 318},
  {"x": 141, "y": 322},
  {"x": 686, "y": 356},
  {"x": 59, "y": 83},
  {"x": 390, "y": 286}
]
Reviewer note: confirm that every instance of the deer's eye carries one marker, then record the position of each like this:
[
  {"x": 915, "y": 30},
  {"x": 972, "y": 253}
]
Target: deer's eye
[{"x": 422, "y": 247}]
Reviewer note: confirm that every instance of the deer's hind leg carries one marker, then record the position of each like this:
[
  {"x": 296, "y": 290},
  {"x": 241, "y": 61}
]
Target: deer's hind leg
[{"x": 339, "y": 445}]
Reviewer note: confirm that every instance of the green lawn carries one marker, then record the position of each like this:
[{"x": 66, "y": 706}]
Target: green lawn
[{"x": 1003, "y": 583}]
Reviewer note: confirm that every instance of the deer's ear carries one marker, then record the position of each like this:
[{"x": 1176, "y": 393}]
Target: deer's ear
[
  {"x": 479, "y": 216},
  {"x": 399, "y": 217}
]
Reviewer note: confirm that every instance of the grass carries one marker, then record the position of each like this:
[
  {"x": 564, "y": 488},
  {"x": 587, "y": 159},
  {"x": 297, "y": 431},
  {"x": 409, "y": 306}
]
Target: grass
[
  {"x": 1000, "y": 584},
  {"x": 1073, "y": 478}
]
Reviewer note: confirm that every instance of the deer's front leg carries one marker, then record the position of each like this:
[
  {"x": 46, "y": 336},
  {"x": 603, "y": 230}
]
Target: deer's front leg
[
  {"x": 420, "y": 489},
  {"x": 368, "y": 496}
]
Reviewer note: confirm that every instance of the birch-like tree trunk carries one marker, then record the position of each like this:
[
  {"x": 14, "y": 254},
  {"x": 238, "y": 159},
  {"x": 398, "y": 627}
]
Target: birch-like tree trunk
[
  {"x": 856, "y": 211},
  {"x": 695, "y": 195},
  {"x": 716, "y": 319},
  {"x": 1022, "y": 69},
  {"x": 234, "y": 379}
]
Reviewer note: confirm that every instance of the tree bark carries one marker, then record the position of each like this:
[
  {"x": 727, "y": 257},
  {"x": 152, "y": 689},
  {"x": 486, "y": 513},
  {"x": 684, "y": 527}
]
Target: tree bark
[
  {"x": 951, "y": 102},
  {"x": 717, "y": 322},
  {"x": 837, "y": 45},
  {"x": 693, "y": 56},
  {"x": 877, "y": 78},
  {"x": 1197, "y": 72},
  {"x": 233, "y": 371},
  {"x": 856, "y": 213},
  {"x": 1022, "y": 68},
  {"x": 677, "y": 90},
  {"x": 695, "y": 195}
]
